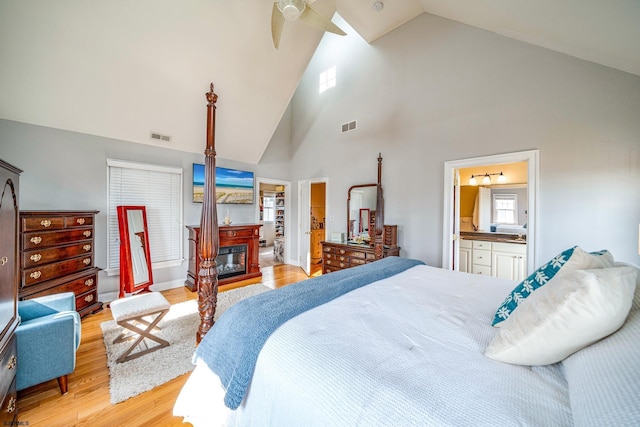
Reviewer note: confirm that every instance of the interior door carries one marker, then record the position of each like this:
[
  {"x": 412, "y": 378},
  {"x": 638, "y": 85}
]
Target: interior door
[
  {"x": 455, "y": 244},
  {"x": 304, "y": 219}
]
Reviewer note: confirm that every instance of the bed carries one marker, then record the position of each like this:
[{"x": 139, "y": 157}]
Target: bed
[
  {"x": 397, "y": 342},
  {"x": 408, "y": 349}
]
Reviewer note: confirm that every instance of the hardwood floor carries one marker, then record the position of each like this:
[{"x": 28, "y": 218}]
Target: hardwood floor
[{"x": 88, "y": 403}]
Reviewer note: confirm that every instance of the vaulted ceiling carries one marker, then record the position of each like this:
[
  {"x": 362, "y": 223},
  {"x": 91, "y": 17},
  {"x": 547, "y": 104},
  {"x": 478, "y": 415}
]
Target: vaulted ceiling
[{"x": 124, "y": 69}]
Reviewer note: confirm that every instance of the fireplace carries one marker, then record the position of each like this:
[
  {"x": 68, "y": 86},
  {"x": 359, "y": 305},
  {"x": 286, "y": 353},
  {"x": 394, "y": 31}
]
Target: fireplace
[
  {"x": 231, "y": 261},
  {"x": 238, "y": 257}
]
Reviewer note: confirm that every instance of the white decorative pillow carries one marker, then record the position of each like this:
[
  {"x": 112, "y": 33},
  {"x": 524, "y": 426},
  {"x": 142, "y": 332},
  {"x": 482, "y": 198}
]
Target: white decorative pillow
[
  {"x": 570, "y": 312},
  {"x": 571, "y": 259}
]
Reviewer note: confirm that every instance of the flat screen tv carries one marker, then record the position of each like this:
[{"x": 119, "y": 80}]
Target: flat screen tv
[{"x": 233, "y": 186}]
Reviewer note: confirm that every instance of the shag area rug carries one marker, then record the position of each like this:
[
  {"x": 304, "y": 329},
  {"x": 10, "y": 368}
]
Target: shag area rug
[{"x": 179, "y": 327}]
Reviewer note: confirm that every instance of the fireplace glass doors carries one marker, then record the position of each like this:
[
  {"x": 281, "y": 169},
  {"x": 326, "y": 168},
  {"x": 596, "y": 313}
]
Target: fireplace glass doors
[{"x": 231, "y": 261}]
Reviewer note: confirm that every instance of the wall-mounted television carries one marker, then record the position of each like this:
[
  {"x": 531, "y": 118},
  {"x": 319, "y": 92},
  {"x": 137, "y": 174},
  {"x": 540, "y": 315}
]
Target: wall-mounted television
[{"x": 233, "y": 186}]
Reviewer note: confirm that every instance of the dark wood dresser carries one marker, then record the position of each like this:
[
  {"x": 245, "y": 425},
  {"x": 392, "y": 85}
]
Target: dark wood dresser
[
  {"x": 338, "y": 256},
  {"x": 57, "y": 255},
  {"x": 239, "y": 246},
  {"x": 9, "y": 176}
]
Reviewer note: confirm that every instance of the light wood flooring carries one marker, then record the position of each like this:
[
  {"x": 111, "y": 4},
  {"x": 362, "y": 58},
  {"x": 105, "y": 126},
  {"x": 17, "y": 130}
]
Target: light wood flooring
[{"x": 88, "y": 404}]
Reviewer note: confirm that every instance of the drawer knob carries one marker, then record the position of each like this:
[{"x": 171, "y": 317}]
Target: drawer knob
[
  {"x": 80, "y": 221},
  {"x": 86, "y": 261},
  {"x": 87, "y": 233},
  {"x": 87, "y": 248},
  {"x": 11, "y": 406},
  {"x": 35, "y": 257},
  {"x": 4, "y": 260},
  {"x": 88, "y": 282},
  {"x": 45, "y": 223},
  {"x": 36, "y": 240},
  {"x": 13, "y": 361},
  {"x": 35, "y": 275},
  {"x": 88, "y": 298}
]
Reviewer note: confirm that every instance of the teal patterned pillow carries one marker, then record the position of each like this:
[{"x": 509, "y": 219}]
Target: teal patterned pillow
[{"x": 571, "y": 259}]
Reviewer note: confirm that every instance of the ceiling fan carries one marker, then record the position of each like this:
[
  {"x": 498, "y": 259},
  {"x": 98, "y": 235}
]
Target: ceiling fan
[{"x": 292, "y": 10}]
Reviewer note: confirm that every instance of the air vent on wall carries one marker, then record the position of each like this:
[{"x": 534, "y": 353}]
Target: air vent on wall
[
  {"x": 349, "y": 126},
  {"x": 160, "y": 137}
]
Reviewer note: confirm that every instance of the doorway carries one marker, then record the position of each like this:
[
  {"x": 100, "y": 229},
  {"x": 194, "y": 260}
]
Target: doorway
[
  {"x": 272, "y": 214},
  {"x": 452, "y": 222},
  {"x": 306, "y": 217},
  {"x": 318, "y": 222}
]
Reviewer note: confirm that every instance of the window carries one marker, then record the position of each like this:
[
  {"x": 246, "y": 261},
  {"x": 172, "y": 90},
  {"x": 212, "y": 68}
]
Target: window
[
  {"x": 327, "y": 79},
  {"x": 505, "y": 208},
  {"x": 268, "y": 204},
  {"x": 159, "y": 189}
]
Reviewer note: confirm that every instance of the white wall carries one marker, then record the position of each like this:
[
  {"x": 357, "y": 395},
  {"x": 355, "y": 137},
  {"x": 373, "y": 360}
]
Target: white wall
[
  {"x": 435, "y": 90},
  {"x": 68, "y": 170}
]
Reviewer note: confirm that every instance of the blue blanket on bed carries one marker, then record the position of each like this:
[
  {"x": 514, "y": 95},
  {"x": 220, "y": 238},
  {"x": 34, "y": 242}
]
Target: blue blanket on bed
[{"x": 231, "y": 347}]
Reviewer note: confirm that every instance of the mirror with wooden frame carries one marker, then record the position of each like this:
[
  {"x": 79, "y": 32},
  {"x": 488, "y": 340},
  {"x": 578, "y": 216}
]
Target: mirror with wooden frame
[
  {"x": 135, "y": 260},
  {"x": 361, "y": 202}
]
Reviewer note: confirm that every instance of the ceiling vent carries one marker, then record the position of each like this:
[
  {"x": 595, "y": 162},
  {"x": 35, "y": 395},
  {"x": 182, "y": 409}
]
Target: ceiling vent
[
  {"x": 349, "y": 126},
  {"x": 159, "y": 137}
]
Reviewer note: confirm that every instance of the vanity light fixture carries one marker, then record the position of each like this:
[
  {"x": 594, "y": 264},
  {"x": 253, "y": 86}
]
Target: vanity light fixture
[{"x": 486, "y": 178}]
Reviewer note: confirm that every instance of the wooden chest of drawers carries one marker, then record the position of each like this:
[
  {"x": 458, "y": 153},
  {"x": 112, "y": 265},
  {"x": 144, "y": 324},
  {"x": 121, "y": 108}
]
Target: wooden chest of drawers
[
  {"x": 337, "y": 256},
  {"x": 57, "y": 255}
]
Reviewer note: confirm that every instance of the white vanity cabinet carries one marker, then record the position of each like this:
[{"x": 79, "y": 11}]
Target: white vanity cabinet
[
  {"x": 508, "y": 260},
  {"x": 464, "y": 263},
  {"x": 497, "y": 259}
]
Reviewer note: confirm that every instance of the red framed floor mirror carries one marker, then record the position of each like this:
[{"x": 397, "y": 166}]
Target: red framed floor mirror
[{"x": 135, "y": 259}]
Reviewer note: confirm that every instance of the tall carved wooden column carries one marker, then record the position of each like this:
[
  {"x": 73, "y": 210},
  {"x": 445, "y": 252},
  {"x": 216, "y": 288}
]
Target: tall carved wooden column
[
  {"x": 209, "y": 239},
  {"x": 378, "y": 243}
]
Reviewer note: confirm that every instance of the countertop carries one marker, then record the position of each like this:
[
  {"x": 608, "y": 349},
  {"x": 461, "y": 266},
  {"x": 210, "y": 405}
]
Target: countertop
[{"x": 493, "y": 237}]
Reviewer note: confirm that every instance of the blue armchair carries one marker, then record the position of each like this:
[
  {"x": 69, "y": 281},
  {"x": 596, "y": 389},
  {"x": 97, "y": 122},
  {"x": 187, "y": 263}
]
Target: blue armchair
[{"x": 48, "y": 337}]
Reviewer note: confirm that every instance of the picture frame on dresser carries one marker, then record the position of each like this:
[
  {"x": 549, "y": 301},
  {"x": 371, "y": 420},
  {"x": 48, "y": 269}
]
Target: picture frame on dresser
[{"x": 57, "y": 255}]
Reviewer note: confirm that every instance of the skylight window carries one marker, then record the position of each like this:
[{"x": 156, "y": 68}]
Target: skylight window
[{"x": 327, "y": 79}]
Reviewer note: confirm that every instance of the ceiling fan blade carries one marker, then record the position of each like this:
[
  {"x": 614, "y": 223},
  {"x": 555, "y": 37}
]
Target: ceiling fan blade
[
  {"x": 316, "y": 19},
  {"x": 277, "y": 23}
]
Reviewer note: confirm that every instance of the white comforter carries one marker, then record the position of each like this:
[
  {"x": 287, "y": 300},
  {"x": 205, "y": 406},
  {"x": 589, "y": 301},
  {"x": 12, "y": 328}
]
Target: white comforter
[{"x": 407, "y": 350}]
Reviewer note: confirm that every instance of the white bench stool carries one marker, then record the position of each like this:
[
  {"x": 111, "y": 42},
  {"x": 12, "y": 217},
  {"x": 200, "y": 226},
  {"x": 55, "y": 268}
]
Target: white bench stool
[{"x": 130, "y": 313}]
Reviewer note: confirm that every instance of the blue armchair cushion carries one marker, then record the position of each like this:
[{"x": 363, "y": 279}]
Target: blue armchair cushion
[{"x": 48, "y": 339}]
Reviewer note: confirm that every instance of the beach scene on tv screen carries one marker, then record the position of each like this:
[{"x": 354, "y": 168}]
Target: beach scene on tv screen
[{"x": 232, "y": 185}]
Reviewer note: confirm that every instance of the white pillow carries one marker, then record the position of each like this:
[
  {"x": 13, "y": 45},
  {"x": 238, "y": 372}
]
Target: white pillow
[
  {"x": 571, "y": 259},
  {"x": 570, "y": 312}
]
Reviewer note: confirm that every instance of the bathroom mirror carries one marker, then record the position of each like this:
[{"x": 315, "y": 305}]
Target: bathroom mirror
[
  {"x": 360, "y": 198},
  {"x": 135, "y": 259}
]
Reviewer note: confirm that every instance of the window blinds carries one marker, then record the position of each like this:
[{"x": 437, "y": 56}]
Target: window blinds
[{"x": 159, "y": 190}]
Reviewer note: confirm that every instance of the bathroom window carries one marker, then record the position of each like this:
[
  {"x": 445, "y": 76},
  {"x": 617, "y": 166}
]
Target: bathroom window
[{"x": 505, "y": 208}]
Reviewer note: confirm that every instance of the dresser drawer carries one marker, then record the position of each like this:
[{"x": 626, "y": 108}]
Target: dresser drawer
[
  {"x": 481, "y": 257},
  {"x": 9, "y": 360},
  {"x": 479, "y": 244},
  {"x": 43, "y": 273},
  {"x": 9, "y": 406},
  {"x": 44, "y": 223},
  {"x": 481, "y": 269},
  {"x": 357, "y": 261},
  {"x": 336, "y": 263},
  {"x": 85, "y": 300},
  {"x": 44, "y": 256},
  {"x": 41, "y": 240},
  {"x": 78, "y": 284},
  {"x": 329, "y": 269}
]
